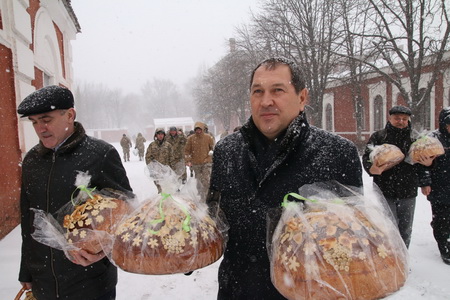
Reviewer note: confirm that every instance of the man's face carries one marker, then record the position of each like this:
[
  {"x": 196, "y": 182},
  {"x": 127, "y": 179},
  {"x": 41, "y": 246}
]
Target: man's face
[
  {"x": 53, "y": 127},
  {"x": 198, "y": 130},
  {"x": 160, "y": 136},
  {"x": 274, "y": 101},
  {"x": 173, "y": 132},
  {"x": 399, "y": 120}
]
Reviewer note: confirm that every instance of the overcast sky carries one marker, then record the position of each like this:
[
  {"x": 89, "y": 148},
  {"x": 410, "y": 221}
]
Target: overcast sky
[{"x": 124, "y": 43}]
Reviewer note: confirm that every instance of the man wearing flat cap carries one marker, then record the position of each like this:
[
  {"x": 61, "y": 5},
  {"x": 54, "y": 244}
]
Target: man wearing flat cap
[
  {"x": 398, "y": 184},
  {"x": 49, "y": 171}
]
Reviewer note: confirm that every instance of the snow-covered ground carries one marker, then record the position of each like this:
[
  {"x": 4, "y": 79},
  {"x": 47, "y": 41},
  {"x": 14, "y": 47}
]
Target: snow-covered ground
[{"x": 428, "y": 279}]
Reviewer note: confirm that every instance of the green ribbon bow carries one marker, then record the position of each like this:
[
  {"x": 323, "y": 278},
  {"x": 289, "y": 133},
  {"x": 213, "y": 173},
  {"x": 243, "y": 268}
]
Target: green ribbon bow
[
  {"x": 82, "y": 188},
  {"x": 186, "y": 221}
]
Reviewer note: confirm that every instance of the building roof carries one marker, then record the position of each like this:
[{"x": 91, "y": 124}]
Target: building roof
[{"x": 68, "y": 5}]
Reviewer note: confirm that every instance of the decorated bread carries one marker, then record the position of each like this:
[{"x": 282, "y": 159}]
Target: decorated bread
[
  {"x": 427, "y": 147},
  {"x": 167, "y": 235},
  {"x": 336, "y": 252},
  {"x": 89, "y": 220},
  {"x": 386, "y": 154}
]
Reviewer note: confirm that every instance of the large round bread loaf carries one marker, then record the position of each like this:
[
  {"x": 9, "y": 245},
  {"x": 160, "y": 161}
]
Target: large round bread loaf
[
  {"x": 327, "y": 255},
  {"x": 386, "y": 154},
  {"x": 97, "y": 214},
  {"x": 176, "y": 237},
  {"x": 428, "y": 147}
]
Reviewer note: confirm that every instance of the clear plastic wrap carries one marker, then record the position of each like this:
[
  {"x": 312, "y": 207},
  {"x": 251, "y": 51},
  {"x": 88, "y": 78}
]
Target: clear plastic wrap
[
  {"x": 169, "y": 233},
  {"x": 425, "y": 147},
  {"x": 336, "y": 247},
  {"x": 385, "y": 154},
  {"x": 86, "y": 222}
]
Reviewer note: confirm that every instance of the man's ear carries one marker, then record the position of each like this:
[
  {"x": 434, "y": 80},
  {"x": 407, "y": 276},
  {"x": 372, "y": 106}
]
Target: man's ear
[
  {"x": 72, "y": 114},
  {"x": 303, "y": 98}
]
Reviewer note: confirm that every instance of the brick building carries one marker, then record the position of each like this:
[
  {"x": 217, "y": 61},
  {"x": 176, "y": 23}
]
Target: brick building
[
  {"x": 378, "y": 97},
  {"x": 35, "y": 51}
]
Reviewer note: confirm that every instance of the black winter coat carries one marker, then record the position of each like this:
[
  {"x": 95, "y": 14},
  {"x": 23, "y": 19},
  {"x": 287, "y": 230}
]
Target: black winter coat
[
  {"x": 401, "y": 181},
  {"x": 252, "y": 177},
  {"x": 438, "y": 174},
  {"x": 48, "y": 179}
]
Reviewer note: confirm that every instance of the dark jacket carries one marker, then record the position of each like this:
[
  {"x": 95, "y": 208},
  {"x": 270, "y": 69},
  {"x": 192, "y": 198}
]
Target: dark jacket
[
  {"x": 48, "y": 179},
  {"x": 252, "y": 177},
  {"x": 438, "y": 174},
  {"x": 401, "y": 181}
]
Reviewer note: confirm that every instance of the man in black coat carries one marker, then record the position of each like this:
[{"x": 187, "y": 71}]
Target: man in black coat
[
  {"x": 49, "y": 171},
  {"x": 435, "y": 184},
  {"x": 274, "y": 153},
  {"x": 398, "y": 184}
]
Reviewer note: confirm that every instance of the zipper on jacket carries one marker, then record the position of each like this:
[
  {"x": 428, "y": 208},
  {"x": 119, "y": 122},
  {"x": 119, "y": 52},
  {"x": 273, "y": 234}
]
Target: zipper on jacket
[{"x": 52, "y": 266}]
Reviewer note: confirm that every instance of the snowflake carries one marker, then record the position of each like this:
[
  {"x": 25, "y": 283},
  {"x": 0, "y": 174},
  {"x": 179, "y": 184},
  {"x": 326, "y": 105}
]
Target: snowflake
[
  {"x": 137, "y": 241},
  {"x": 293, "y": 263},
  {"x": 152, "y": 243},
  {"x": 126, "y": 237}
]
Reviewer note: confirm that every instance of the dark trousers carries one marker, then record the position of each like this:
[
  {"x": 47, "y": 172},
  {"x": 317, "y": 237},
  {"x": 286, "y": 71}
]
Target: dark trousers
[
  {"x": 440, "y": 223},
  {"x": 403, "y": 211}
]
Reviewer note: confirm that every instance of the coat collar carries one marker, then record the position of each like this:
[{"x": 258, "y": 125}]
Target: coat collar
[{"x": 71, "y": 142}]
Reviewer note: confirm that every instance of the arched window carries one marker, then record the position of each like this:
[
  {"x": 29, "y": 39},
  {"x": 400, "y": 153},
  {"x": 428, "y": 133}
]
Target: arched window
[
  {"x": 421, "y": 119},
  {"x": 378, "y": 113},
  {"x": 329, "y": 118}
]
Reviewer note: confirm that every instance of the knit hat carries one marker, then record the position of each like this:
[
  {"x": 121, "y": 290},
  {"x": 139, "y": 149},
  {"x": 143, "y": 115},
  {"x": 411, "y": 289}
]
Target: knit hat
[{"x": 46, "y": 99}]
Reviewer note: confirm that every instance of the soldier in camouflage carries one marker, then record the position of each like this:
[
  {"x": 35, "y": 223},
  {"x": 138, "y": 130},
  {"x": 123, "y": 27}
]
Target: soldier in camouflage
[
  {"x": 178, "y": 142},
  {"x": 140, "y": 140},
  {"x": 125, "y": 142},
  {"x": 161, "y": 151}
]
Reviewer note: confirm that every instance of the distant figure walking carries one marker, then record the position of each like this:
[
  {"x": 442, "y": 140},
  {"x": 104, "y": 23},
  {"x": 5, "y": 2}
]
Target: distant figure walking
[
  {"x": 140, "y": 140},
  {"x": 178, "y": 141},
  {"x": 161, "y": 151},
  {"x": 125, "y": 142}
]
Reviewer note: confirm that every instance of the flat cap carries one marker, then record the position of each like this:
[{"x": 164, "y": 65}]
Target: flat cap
[
  {"x": 46, "y": 99},
  {"x": 400, "y": 109}
]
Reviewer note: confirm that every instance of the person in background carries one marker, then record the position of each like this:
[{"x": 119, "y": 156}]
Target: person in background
[
  {"x": 398, "y": 184},
  {"x": 206, "y": 130},
  {"x": 274, "y": 153},
  {"x": 125, "y": 142},
  {"x": 140, "y": 145},
  {"x": 49, "y": 171},
  {"x": 178, "y": 142},
  {"x": 161, "y": 151},
  {"x": 198, "y": 155},
  {"x": 435, "y": 184}
]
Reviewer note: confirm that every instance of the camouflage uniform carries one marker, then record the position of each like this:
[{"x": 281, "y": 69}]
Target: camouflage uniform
[
  {"x": 125, "y": 142},
  {"x": 140, "y": 140},
  {"x": 198, "y": 153},
  {"x": 178, "y": 143},
  {"x": 160, "y": 151}
]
